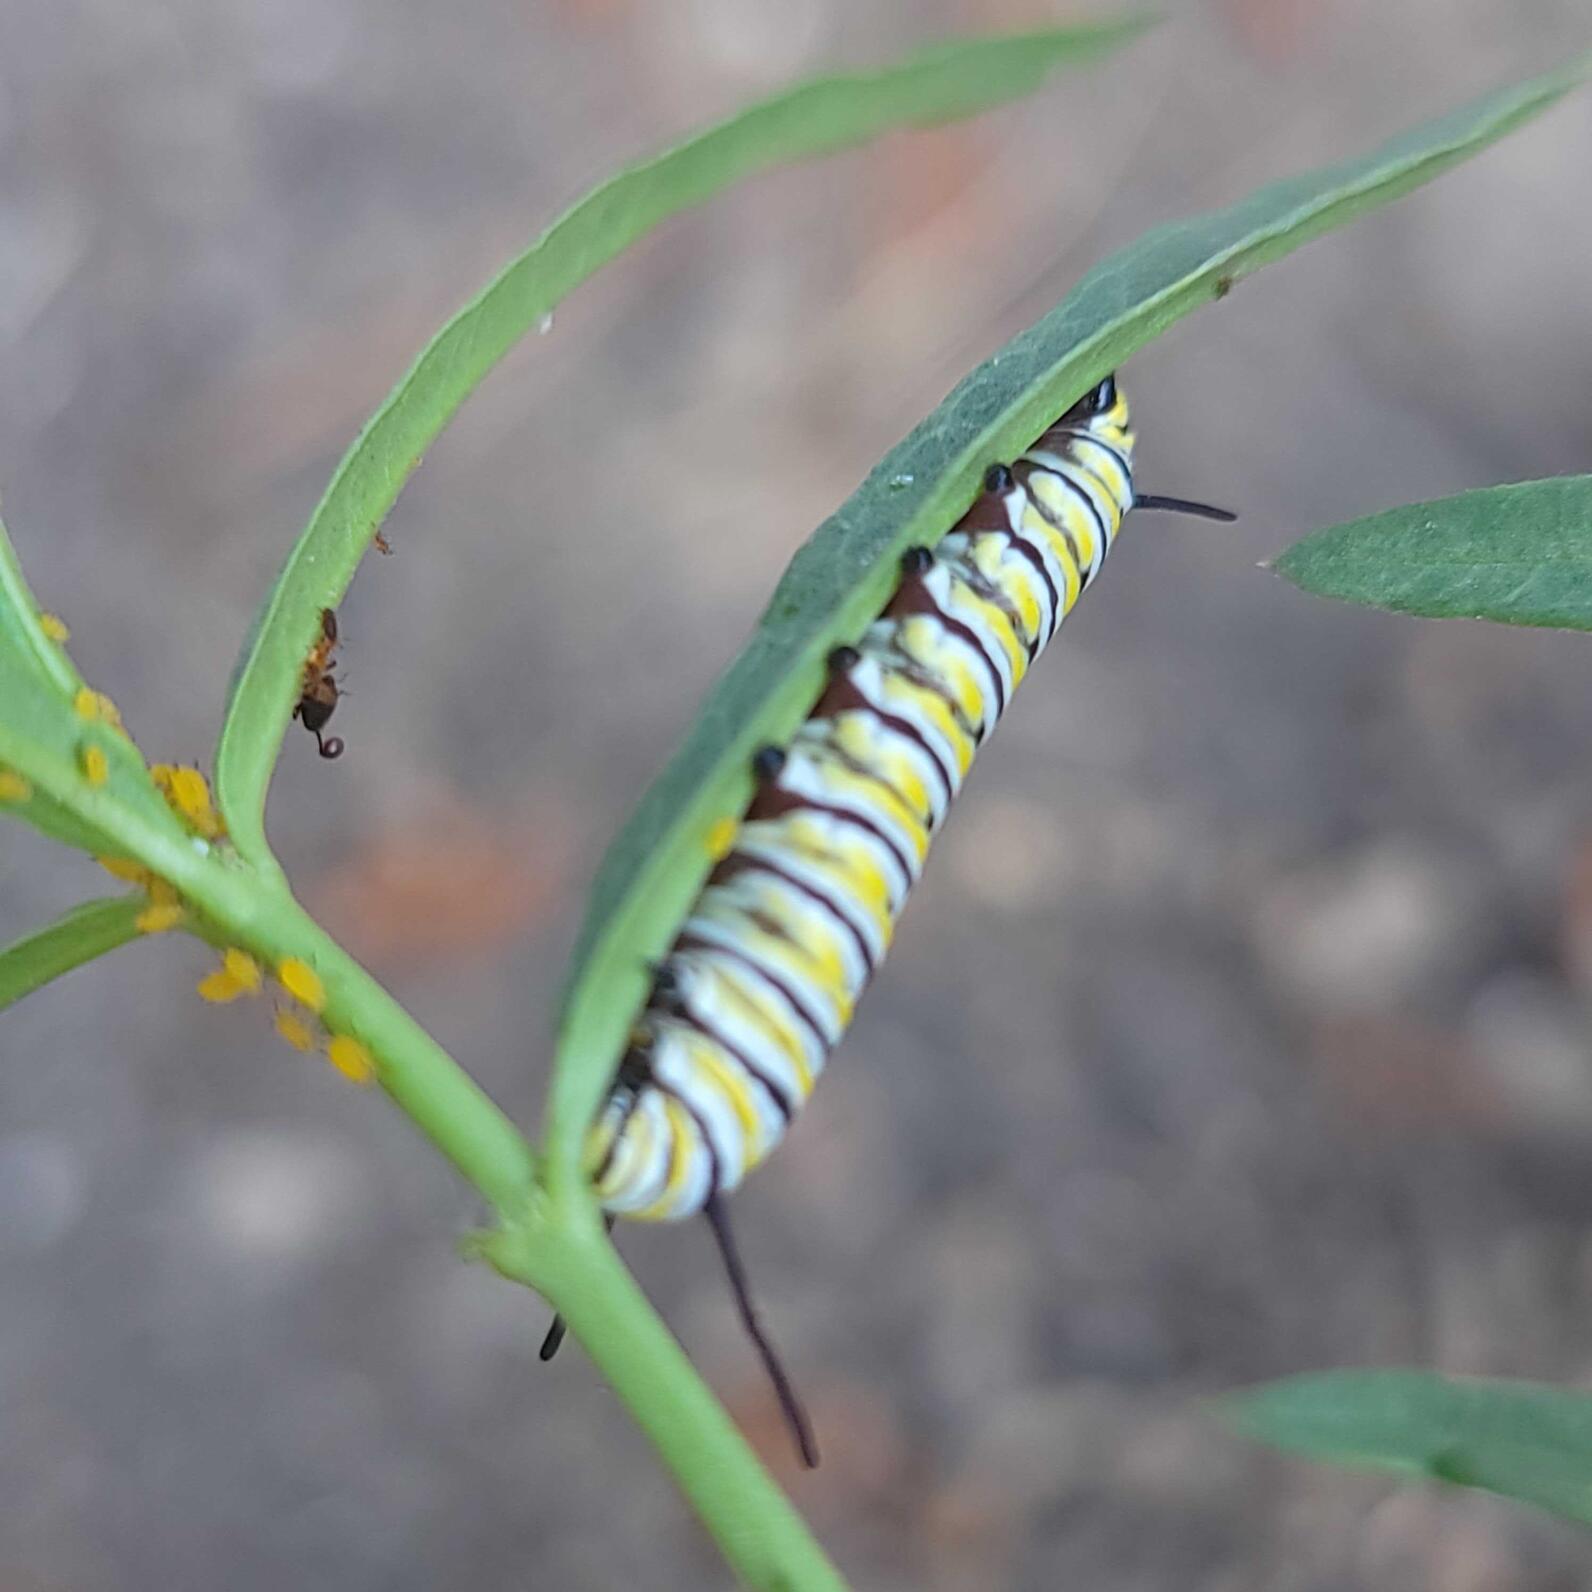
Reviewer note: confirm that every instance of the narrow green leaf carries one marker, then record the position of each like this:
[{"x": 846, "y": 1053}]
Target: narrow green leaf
[
  {"x": 20, "y": 630},
  {"x": 51, "y": 818},
  {"x": 813, "y": 118},
  {"x": 839, "y": 579},
  {"x": 76, "y": 937},
  {"x": 1522, "y": 1439},
  {"x": 1520, "y": 555}
]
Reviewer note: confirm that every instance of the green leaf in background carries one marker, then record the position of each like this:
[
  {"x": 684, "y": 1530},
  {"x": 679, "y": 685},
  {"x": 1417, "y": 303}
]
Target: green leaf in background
[
  {"x": 74, "y": 938},
  {"x": 21, "y": 632},
  {"x": 839, "y": 579},
  {"x": 1522, "y": 1439},
  {"x": 1520, "y": 555},
  {"x": 949, "y": 81}
]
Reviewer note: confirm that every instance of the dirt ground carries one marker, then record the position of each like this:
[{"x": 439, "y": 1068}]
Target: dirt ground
[{"x": 1241, "y": 1026}]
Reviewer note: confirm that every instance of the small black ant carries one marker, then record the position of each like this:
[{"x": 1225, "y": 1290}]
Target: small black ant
[{"x": 318, "y": 692}]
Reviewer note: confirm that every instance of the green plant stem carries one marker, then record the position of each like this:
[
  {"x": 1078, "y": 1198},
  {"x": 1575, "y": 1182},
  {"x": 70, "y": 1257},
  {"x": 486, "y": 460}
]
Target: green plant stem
[
  {"x": 425, "y": 1082},
  {"x": 553, "y": 1243},
  {"x": 251, "y": 906},
  {"x": 559, "y": 1250},
  {"x": 760, "y": 1534},
  {"x": 549, "y": 1238}
]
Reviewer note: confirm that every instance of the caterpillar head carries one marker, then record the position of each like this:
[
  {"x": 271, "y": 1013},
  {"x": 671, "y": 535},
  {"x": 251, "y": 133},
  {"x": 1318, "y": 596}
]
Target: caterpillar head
[
  {"x": 1099, "y": 402},
  {"x": 1103, "y": 412}
]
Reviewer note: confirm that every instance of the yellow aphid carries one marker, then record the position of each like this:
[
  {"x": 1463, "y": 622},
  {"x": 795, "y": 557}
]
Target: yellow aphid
[
  {"x": 721, "y": 838},
  {"x": 189, "y": 791},
  {"x": 13, "y": 787},
  {"x": 96, "y": 770},
  {"x": 303, "y": 983},
  {"x": 351, "y": 1059},
  {"x": 239, "y": 973},
  {"x": 295, "y": 1031},
  {"x": 96, "y": 708},
  {"x": 186, "y": 790},
  {"x": 124, "y": 868},
  {"x": 219, "y": 987},
  {"x": 54, "y": 628},
  {"x": 158, "y": 917},
  {"x": 242, "y": 968}
]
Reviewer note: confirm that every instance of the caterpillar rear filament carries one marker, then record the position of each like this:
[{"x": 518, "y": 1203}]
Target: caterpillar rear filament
[{"x": 794, "y": 921}]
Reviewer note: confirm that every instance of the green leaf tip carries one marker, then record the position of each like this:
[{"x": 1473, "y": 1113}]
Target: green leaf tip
[
  {"x": 813, "y": 118},
  {"x": 1518, "y": 555},
  {"x": 23, "y": 631},
  {"x": 78, "y": 936},
  {"x": 1523, "y": 1440}
]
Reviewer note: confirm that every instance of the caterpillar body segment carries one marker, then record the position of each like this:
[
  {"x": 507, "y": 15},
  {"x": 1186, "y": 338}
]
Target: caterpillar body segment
[{"x": 794, "y": 922}]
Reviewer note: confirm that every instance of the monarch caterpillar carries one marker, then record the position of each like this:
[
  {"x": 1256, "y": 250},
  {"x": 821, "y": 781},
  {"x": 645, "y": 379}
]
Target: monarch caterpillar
[{"x": 796, "y": 917}]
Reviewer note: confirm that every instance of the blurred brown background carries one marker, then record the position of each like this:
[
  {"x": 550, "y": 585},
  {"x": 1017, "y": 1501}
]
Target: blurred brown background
[{"x": 1241, "y": 1026}]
